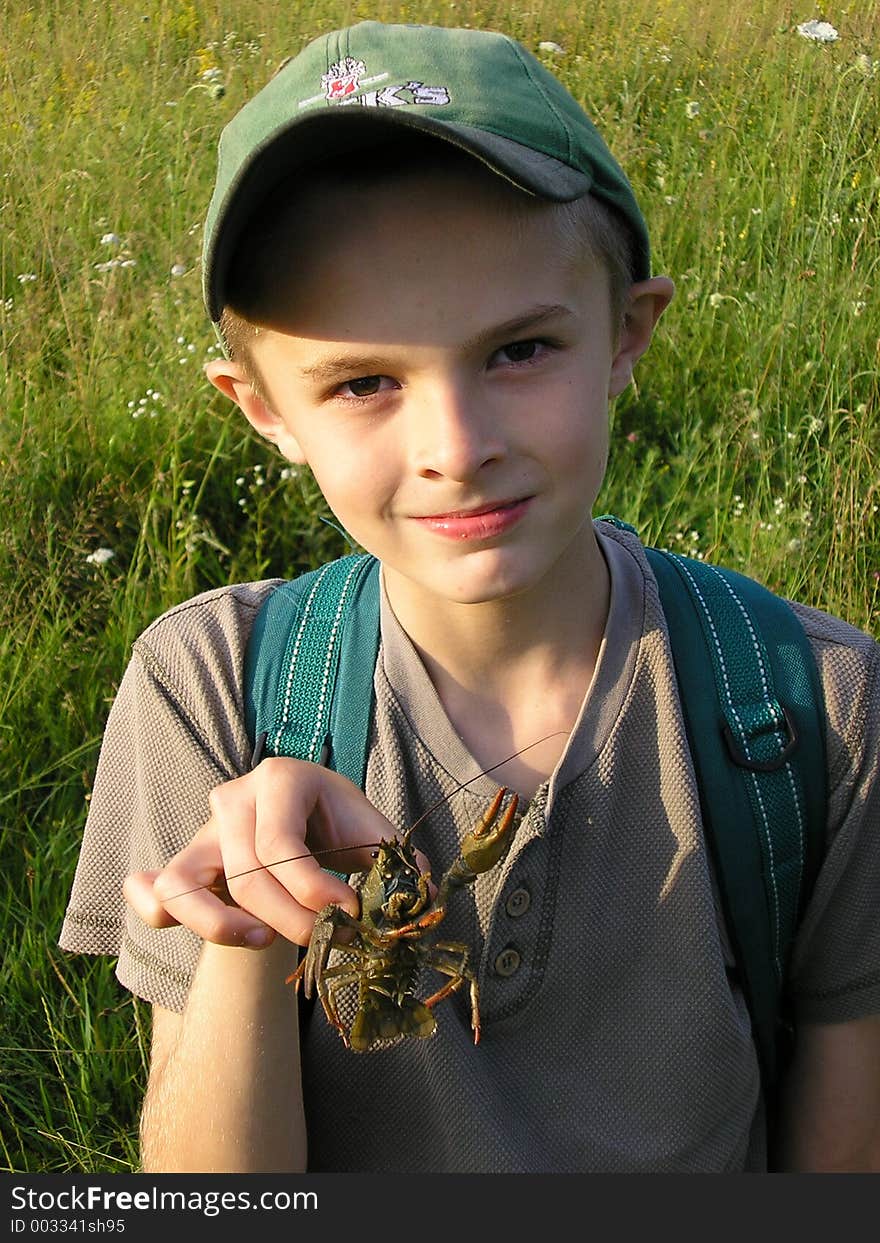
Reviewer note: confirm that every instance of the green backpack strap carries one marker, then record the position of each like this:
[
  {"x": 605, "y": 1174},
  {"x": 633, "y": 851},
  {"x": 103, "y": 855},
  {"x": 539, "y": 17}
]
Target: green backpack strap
[
  {"x": 757, "y": 735},
  {"x": 313, "y": 631},
  {"x": 754, "y": 713}
]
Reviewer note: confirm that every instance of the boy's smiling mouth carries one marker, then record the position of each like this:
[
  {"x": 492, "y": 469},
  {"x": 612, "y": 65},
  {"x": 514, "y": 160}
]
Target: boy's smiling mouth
[{"x": 482, "y": 522}]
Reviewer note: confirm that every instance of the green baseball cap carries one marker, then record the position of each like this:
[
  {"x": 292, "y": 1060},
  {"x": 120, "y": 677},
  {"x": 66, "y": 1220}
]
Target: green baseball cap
[{"x": 478, "y": 90}]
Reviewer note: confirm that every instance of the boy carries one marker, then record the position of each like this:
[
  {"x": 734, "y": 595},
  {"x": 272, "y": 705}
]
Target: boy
[{"x": 430, "y": 277}]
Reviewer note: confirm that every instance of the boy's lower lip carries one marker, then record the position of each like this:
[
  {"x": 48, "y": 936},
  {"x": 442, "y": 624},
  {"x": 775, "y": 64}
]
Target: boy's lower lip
[{"x": 477, "y": 524}]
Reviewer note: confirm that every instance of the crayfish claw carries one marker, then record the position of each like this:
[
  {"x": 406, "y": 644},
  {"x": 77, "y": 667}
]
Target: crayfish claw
[{"x": 489, "y": 841}]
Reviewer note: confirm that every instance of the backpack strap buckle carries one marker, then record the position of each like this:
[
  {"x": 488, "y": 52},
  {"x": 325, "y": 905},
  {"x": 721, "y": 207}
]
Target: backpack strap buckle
[{"x": 751, "y": 729}]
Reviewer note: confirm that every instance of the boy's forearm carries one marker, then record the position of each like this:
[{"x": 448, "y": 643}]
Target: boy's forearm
[
  {"x": 830, "y": 1113},
  {"x": 225, "y": 1093}
]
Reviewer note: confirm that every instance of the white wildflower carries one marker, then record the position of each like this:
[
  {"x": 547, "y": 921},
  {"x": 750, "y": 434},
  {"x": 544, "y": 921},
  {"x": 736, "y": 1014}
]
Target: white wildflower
[
  {"x": 178, "y": 269},
  {"x": 114, "y": 263},
  {"x": 25, "y": 277},
  {"x": 100, "y": 556},
  {"x": 819, "y": 32},
  {"x": 110, "y": 239},
  {"x": 692, "y": 108},
  {"x": 212, "y": 75},
  {"x": 866, "y": 66},
  {"x": 715, "y": 300},
  {"x": 552, "y": 48}
]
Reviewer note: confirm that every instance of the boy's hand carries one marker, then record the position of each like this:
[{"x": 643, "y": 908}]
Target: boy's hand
[{"x": 249, "y": 872}]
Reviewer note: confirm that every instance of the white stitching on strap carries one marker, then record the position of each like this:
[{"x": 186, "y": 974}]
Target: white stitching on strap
[
  {"x": 787, "y": 766},
  {"x": 331, "y": 647},
  {"x": 764, "y": 819},
  {"x": 288, "y": 686}
]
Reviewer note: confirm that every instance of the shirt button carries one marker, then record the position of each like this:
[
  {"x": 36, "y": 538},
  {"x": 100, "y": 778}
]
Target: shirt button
[
  {"x": 518, "y": 903},
  {"x": 508, "y": 961}
]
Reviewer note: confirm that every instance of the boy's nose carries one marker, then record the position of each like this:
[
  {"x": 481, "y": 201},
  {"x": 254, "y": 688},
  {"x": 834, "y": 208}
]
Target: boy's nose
[{"x": 456, "y": 433}]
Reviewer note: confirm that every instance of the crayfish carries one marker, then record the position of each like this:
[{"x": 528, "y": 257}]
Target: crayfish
[{"x": 391, "y": 938}]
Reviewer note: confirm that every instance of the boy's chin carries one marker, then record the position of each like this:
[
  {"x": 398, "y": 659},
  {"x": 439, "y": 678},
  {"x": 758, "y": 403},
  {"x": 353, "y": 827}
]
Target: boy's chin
[{"x": 475, "y": 584}]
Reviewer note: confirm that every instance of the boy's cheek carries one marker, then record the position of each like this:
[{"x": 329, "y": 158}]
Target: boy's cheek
[{"x": 351, "y": 486}]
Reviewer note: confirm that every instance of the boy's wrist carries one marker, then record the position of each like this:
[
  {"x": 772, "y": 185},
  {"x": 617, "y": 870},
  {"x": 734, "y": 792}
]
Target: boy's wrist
[{"x": 238, "y": 970}]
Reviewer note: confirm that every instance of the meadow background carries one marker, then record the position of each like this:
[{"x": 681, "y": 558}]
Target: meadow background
[{"x": 751, "y": 436}]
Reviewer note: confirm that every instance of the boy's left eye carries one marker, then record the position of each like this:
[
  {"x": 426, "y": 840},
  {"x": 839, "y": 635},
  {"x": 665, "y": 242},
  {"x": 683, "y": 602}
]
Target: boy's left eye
[{"x": 520, "y": 351}]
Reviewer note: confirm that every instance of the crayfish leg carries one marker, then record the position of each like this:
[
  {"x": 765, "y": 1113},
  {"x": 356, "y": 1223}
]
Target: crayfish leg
[
  {"x": 475, "y": 1011},
  {"x": 295, "y": 977},
  {"x": 330, "y": 982},
  {"x": 451, "y": 958},
  {"x": 418, "y": 925}
]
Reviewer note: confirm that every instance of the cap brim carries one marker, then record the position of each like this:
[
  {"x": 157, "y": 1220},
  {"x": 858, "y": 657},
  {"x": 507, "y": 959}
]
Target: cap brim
[{"x": 342, "y": 130}]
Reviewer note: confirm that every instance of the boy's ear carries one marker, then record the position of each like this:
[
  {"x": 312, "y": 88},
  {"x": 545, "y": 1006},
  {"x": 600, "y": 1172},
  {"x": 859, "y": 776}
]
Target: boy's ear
[
  {"x": 232, "y": 381},
  {"x": 647, "y": 302}
]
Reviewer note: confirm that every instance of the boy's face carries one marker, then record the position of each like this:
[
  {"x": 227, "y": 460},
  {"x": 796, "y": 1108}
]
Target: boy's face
[{"x": 446, "y": 376}]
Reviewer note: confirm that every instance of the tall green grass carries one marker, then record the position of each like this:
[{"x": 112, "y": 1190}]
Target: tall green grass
[{"x": 751, "y": 436}]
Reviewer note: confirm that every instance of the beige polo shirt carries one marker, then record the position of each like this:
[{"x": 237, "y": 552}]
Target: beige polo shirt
[{"x": 614, "y": 1036}]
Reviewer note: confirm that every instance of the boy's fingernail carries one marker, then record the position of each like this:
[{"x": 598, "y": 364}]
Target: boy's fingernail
[{"x": 256, "y": 938}]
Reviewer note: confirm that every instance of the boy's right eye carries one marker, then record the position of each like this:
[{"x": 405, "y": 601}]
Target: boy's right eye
[{"x": 364, "y": 386}]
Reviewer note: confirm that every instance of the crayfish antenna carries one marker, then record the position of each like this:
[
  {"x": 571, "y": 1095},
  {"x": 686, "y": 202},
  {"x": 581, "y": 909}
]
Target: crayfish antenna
[{"x": 407, "y": 834}]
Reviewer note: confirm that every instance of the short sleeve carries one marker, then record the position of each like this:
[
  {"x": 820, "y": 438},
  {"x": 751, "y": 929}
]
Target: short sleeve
[
  {"x": 175, "y": 731},
  {"x": 835, "y": 975}
]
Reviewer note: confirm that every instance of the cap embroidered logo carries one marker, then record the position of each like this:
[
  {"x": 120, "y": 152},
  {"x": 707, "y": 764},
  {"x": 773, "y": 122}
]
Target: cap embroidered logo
[{"x": 343, "y": 78}]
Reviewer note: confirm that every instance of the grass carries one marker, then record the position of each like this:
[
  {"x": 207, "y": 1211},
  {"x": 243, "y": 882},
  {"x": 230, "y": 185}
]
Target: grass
[{"x": 750, "y": 438}]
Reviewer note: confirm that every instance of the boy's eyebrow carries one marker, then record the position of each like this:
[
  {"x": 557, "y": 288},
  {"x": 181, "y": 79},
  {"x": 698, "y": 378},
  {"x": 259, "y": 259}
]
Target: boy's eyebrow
[
  {"x": 332, "y": 365},
  {"x": 534, "y": 317}
]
